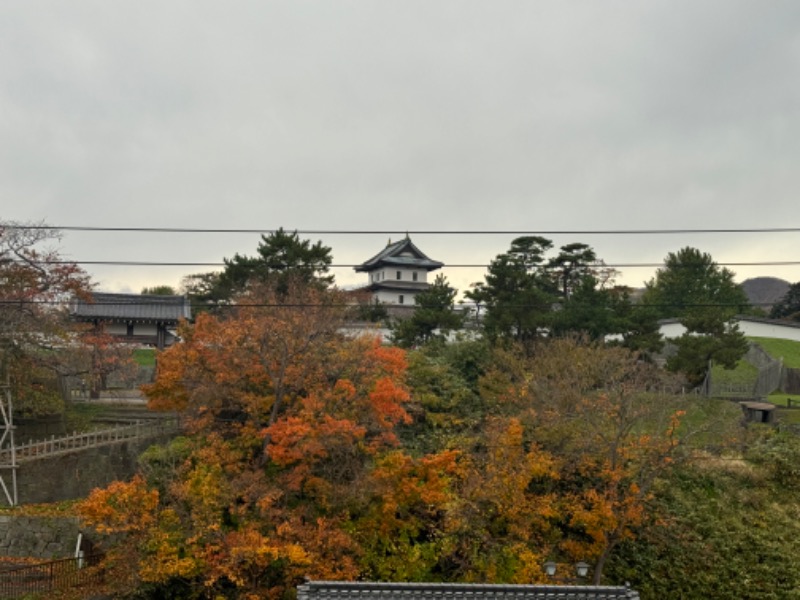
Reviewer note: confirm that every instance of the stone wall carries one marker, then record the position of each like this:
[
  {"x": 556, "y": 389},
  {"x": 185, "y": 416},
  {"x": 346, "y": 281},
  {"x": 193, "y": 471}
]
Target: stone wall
[
  {"x": 63, "y": 477},
  {"x": 74, "y": 475},
  {"x": 38, "y": 537}
]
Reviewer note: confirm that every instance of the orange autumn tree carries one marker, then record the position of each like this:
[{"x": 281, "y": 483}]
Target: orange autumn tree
[
  {"x": 407, "y": 530},
  {"x": 507, "y": 520},
  {"x": 628, "y": 441},
  {"x": 285, "y": 417},
  {"x": 603, "y": 413}
]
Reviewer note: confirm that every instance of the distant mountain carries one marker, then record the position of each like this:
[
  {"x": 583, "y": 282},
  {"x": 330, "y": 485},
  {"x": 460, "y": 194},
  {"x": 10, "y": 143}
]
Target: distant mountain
[{"x": 763, "y": 292}]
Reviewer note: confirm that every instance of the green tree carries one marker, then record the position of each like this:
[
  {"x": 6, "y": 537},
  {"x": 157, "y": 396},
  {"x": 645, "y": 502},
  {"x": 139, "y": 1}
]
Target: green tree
[
  {"x": 434, "y": 316},
  {"x": 693, "y": 288},
  {"x": 525, "y": 295},
  {"x": 789, "y": 305},
  {"x": 159, "y": 290},
  {"x": 369, "y": 309},
  {"x": 278, "y": 254},
  {"x": 641, "y": 332},
  {"x": 518, "y": 295},
  {"x": 205, "y": 291},
  {"x": 597, "y": 312},
  {"x": 281, "y": 257},
  {"x": 571, "y": 268},
  {"x": 591, "y": 305}
]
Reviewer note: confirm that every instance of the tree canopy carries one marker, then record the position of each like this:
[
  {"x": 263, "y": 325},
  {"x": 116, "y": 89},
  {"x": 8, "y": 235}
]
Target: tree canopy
[
  {"x": 308, "y": 453},
  {"x": 288, "y": 418},
  {"x": 704, "y": 297},
  {"x": 434, "y": 316},
  {"x": 35, "y": 288},
  {"x": 692, "y": 287},
  {"x": 518, "y": 295},
  {"x": 526, "y": 295},
  {"x": 159, "y": 290},
  {"x": 789, "y": 305},
  {"x": 35, "y": 285},
  {"x": 571, "y": 267},
  {"x": 280, "y": 256}
]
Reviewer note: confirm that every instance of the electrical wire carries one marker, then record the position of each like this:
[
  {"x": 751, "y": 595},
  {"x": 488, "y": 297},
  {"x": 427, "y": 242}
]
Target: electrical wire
[
  {"x": 404, "y": 231},
  {"x": 188, "y": 230},
  {"x": 139, "y": 263},
  {"x": 149, "y": 302}
]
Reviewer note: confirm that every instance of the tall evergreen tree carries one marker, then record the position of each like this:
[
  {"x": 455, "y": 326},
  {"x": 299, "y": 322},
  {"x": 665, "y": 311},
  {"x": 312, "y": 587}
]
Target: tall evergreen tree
[
  {"x": 434, "y": 316},
  {"x": 282, "y": 257},
  {"x": 571, "y": 267},
  {"x": 518, "y": 295},
  {"x": 526, "y": 295},
  {"x": 693, "y": 288},
  {"x": 789, "y": 305}
]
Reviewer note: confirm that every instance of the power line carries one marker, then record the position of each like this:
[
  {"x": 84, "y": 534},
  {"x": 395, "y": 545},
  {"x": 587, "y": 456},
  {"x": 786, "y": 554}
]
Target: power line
[
  {"x": 144, "y": 302},
  {"x": 139, "y": 263},
  {"x": 87, "y": 228}
]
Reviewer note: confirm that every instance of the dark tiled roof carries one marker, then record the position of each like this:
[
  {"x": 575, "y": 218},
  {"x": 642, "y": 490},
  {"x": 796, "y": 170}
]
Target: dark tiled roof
[
  {"x": 340, "y": 590},
  {"x": 132, "y": 307},
  {"x": 391, "y": 255},
  {"x": 398, "y": 285}
]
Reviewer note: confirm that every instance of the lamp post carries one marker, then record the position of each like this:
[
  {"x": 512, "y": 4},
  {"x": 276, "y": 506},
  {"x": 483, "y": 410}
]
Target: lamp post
[{"x": 581, "y": 571}]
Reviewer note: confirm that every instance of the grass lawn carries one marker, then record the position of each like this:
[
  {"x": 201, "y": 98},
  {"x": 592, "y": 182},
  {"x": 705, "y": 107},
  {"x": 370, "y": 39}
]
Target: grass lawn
[
  {"x": 788, "y": 417},
  {"x": 782, "y": 399},
  {"x": 701, "y": 413},
  {"x": 80, "y": 416},
  {"x": 787, "y": 349},
  {"x": 745, "y": 373},
  {"x": 145, "y": 357}
]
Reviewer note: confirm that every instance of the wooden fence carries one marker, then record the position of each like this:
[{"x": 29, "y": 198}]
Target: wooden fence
[
  {"x": 770, "y": 372},
  {"x": 92, "y": 439}
]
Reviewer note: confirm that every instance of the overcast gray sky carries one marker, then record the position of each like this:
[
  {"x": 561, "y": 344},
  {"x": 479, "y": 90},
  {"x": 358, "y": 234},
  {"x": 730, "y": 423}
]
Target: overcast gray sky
[{"x": 407, "y": 115}]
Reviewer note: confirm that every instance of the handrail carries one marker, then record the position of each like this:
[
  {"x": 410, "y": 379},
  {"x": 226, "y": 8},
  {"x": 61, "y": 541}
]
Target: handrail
[{"x": 91, "y": 439}]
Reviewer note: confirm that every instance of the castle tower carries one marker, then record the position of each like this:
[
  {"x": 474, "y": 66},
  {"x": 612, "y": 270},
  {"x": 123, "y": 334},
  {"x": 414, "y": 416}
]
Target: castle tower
[{"x": 398, "y": 273}]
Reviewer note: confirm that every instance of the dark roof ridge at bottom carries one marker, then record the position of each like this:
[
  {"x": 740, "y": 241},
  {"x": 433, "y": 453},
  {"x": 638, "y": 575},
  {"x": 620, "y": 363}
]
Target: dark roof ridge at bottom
[{"x": 588, "y": 592}]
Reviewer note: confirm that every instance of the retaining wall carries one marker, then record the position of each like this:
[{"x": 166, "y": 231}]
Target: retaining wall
[
  {"x": 74, "y": 474},
  {"x": 38, "y": 537}
]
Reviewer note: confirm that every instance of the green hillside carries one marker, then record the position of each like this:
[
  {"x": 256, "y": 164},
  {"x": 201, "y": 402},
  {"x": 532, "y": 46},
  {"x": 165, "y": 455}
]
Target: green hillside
[
  {"x": 745, "y": 373},
  {"x": 786, "y": 349}
]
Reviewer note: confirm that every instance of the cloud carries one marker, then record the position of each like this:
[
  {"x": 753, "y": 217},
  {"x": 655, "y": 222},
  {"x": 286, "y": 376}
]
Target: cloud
[{"x": 401, "y": 116}]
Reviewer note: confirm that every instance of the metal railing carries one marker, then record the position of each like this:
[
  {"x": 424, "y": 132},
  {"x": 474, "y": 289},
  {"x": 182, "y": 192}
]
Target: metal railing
[
  {"x": 43, "y": 578},
  {"x": 92, "y": 439}
]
